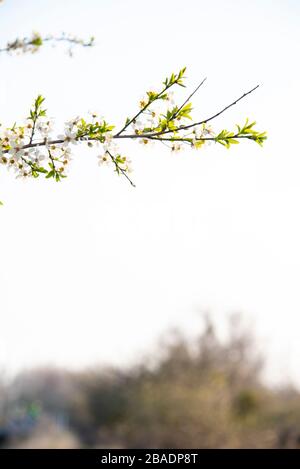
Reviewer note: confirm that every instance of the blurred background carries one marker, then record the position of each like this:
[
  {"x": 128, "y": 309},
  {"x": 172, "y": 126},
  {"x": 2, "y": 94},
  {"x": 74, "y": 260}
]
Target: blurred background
[{"x": 118, "y": 305}]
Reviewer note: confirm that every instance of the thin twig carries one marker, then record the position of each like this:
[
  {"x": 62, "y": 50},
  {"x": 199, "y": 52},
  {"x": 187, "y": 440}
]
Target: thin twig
[
  {"x": 120, "y": 169},
  {"x": 144, "y": 108},
  {"x": 33, "y": 127},
  {"x": 189, "y": 140},
  {"x": 187, "y": 100}
]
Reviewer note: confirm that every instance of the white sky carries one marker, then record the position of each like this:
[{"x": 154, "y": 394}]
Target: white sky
[{"x": 93, "y": 270}]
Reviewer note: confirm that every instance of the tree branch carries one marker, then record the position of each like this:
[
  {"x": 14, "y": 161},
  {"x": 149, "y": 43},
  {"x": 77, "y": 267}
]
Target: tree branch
[{"x": 185, "y": 127}]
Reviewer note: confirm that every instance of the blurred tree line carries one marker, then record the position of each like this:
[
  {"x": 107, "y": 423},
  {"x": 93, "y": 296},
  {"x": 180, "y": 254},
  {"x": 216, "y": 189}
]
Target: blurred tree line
[{"x": 202, "y": 393}]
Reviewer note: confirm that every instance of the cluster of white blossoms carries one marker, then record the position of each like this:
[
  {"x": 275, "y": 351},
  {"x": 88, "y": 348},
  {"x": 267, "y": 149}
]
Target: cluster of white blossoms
[
  {"x": 21, "y": 153},
  {"x": 34, "y": 148}
]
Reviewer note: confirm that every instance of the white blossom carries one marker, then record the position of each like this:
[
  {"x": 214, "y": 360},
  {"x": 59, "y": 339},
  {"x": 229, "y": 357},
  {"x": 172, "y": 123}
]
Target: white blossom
[
  {"x": 104, "y": 159},
  {"x": 70, "y": 136}
]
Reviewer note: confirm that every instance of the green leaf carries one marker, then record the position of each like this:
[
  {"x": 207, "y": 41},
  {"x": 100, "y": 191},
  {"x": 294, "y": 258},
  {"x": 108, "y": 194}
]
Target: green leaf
[
  {"x": 233, "y": 141},
  {"x": 199, "y": 143},
  {"x": 39, "y": 100},
  {"x": 50, "y": 174},
  {"x": 37, "y": 41}
]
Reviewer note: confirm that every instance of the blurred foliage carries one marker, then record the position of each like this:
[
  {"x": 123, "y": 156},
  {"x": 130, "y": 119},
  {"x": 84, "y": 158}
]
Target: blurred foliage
[{"x": 202, "y": 393}]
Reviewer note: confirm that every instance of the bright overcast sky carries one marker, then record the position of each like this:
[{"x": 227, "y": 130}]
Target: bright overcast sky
[{"x": 93, "y": 270}]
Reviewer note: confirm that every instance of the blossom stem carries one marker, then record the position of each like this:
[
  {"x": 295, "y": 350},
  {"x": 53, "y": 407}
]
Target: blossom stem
[{"x": 118, "y": 168}]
